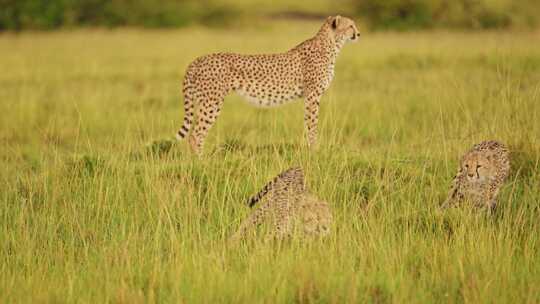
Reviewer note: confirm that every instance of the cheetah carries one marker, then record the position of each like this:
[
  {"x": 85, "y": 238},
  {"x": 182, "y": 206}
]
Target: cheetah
[
  {"x": 481, "y": 174},
  {"x": 290, "y": 207},
  {"x": 266, "y": 80}
]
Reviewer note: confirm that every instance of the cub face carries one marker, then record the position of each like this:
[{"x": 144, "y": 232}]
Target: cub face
[
  {"x": 477, "y": 168},
  {"x": 317, "y": 219},
  {"x": 343, "y": 28}
]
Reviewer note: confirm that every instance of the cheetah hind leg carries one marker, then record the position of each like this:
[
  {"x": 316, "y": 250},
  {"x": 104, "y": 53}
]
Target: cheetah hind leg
[
  {"x": 207, "y": 114},
  {"x": 283, "y": 214},
  {"x": 283, "y": 228},
  {"x": 248, "y": 225}
]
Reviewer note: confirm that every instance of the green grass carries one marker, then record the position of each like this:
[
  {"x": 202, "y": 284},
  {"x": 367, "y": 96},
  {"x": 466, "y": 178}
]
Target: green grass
[{"x": 97, "y": 206}]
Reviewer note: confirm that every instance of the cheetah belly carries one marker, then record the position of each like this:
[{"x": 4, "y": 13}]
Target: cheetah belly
[{"x": 270, "y": 97}]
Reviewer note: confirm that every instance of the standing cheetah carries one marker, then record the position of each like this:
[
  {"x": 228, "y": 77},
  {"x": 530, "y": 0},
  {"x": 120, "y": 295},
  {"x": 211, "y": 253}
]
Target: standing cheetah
[
  {"x": 290, "y": 208},
  {"x": 265, "y": 80},
  {"x": 481, "y": 175}
]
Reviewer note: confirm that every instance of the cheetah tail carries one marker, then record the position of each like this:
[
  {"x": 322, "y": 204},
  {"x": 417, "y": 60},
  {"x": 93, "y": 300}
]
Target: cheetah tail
[
  {"x": 292, "y": 173},
  {"x": 189, "y": 108},
  {"x": 257, "y": 197}
]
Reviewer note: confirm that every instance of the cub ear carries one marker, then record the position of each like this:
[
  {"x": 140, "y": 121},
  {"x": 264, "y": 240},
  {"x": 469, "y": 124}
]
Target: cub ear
[{"x": 335, "y": 22}]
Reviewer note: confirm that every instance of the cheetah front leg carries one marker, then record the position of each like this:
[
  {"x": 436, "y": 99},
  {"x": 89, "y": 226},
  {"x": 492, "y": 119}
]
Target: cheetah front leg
[
  {"x": 491, "y": 203},
  {"x": 453, "y": 194},
  {"x": 449, "y": 199},
  {"x": 311, "y": 117}
]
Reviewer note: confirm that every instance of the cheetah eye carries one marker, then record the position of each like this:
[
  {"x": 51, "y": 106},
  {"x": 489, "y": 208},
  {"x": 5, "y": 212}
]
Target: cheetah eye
[
  {"x": 467, "y": 166},
  {"x": 478, "y": 166}
]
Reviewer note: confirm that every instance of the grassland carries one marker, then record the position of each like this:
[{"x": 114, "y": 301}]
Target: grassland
[{"x": 92, "y": 211}]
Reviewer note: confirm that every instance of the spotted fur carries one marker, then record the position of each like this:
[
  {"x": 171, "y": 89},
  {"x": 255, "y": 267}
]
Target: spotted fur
[
  {"x": 265, "y": 80},
  {"x": 480, "y": 176},
  {"x": 290, "y": 207},
  {"x": 294, "y": 177}
]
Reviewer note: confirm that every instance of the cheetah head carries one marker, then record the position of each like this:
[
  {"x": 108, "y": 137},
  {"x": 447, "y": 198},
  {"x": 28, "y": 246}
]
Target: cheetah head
[
  {"x": 477, "y": 167},
  {"x": 317, "y": 219},
  {"x": 343, "y": 29}
]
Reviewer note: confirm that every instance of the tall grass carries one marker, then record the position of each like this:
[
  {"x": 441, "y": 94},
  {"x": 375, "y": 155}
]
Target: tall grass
[{"x": 92, "y": 212}]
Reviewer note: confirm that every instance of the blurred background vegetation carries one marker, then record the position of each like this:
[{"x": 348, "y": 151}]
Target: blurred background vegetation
[{"x": 376, "y": 14}]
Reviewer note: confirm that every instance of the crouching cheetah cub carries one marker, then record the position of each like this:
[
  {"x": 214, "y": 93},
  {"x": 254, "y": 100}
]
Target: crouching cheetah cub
[
  {"x": 481, "y": 174},
  {"x": 289, "y": 207},
  {"x": 265, "y": 80}
]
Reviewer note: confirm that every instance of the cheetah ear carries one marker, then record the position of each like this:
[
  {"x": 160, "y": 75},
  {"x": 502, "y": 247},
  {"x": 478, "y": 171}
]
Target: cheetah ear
[{"x": 335, "y": 21}]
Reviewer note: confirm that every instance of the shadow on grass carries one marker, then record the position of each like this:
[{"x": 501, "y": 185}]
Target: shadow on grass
[
  {"x": 157, "y": 148},
  {"x": 524, "y": 161},
  {"x": 231, "y": 146},
  {"x": 427, "y": 224},
  {"x": 86, "y": 165}
]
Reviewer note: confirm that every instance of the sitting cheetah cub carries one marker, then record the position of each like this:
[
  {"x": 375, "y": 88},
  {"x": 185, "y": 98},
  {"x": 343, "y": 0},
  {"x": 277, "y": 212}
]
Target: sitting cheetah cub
[
  {"x": 266, "y": 80},
  {"x": 290, "y": 208},
  {"x": 481, "y": 175}
]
